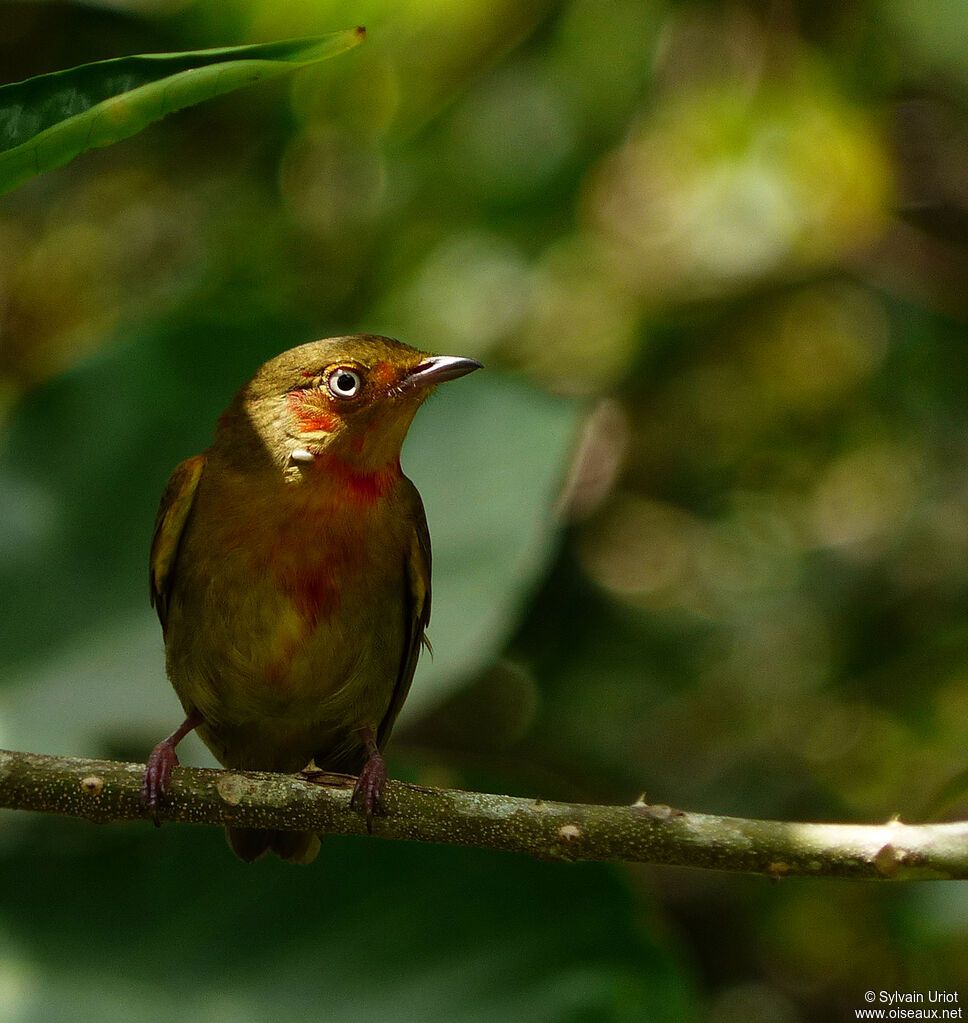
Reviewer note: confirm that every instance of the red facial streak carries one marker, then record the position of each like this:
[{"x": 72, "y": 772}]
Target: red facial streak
[{"x": 313, "y": 418}]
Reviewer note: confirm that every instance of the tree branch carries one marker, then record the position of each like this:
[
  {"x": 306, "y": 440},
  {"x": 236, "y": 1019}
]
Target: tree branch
[{"x": 105, "y": 790}]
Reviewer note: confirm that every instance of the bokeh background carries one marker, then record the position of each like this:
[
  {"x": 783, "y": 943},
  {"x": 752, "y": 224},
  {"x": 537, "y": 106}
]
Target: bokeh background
[{"x": 701, "y": 530}]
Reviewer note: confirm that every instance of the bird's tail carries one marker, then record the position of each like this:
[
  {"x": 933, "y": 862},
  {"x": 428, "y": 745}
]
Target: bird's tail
[{"x": 295, "y": 846}]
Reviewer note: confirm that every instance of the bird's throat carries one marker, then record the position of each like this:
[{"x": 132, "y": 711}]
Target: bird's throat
[
  {"x": 355, "y": 484},
  {"x": 340, "y": 481}
]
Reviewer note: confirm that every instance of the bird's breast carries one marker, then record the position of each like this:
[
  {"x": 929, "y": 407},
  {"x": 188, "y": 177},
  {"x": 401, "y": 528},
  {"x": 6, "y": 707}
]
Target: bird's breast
[
  {"x": 330, "y": 544},
  {"x": 271, "y": 577},
  {"x": 289, "y": 607}
]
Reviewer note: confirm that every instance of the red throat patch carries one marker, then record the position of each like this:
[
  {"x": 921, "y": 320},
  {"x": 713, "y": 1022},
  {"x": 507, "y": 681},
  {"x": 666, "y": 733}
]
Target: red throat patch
[
  {"x": 334, "y": 500},
  {"x": 357, "y": 486}
]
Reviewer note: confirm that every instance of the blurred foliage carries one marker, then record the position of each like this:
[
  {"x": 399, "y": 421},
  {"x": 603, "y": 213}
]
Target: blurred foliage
[
  {"x": 351, "y": 943},
  {"x": 732, "y": 239},
  {"x": 46, "y": 120}
]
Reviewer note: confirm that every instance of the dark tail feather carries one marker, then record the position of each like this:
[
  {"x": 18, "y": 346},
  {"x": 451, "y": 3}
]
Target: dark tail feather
[
  {"x": 295, "y": 846},
  {"x": 248, "y": 843}
]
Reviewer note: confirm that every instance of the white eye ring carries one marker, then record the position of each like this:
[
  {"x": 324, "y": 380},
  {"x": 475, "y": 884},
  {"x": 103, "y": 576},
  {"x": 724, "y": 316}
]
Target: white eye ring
[{"x": 344, "y": 383}]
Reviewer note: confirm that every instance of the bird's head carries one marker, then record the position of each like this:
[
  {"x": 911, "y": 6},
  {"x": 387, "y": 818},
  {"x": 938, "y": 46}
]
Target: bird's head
[{"x": 346, "y": 398}]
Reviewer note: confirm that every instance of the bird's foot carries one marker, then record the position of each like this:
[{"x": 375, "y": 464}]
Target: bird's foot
[
  {"x": 368, "y": 791},
  {"x": 154, "y": 787},
  {"x": 161, "y": 763}
]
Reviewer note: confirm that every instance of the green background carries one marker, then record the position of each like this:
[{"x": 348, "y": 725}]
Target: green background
[{"x": 700, "y": 530}]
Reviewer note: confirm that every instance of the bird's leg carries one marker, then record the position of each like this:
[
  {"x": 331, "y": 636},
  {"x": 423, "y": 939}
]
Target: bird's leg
[
  {"x": 368, "y": 791},
  {"x": 162, "y": 761}
]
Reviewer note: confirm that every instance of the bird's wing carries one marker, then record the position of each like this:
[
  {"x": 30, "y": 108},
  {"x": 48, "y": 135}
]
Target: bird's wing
[
  {"x": 416, "y": 612},
  {"x": 176, "y": 503}
]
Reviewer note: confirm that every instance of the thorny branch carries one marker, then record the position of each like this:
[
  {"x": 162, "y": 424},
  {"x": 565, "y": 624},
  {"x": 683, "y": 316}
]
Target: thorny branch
[{"x": 105, "y": 790}]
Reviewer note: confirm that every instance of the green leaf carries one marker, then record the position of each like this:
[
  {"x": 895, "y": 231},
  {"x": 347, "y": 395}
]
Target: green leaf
[{"x": 48, "y": 120}]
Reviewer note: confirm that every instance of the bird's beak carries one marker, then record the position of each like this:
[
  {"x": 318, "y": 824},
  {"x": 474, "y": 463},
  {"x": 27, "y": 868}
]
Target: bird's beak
[{"x": 439, "y": 368}]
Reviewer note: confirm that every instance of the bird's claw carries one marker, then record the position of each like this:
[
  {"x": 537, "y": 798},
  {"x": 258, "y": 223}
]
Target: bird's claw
[
  {"x": 154, "y": 787},
  {"x": 368, "y": 791}
]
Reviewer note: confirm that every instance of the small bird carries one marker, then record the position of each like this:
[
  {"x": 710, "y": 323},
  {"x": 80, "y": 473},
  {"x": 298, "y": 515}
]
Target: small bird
[{"x": 290, "y": 568}]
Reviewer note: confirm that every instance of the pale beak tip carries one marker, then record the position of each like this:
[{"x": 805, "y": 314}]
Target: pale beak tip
[{"x": 440, "y": 368}]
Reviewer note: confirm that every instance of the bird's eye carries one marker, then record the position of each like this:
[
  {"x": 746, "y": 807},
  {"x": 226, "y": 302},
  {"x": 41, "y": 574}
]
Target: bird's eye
[{"x": 344, "y": 382}]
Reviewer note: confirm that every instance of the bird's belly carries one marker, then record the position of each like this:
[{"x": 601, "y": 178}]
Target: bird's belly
[{"x": 288, "y": 656}]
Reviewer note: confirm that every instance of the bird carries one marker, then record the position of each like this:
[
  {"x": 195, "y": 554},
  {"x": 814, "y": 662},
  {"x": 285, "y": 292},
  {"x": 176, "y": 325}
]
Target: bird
[{"x": 290, "y": 568}]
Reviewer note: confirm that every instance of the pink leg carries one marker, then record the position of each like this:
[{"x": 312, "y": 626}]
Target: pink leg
[
  {"x": 162, "y": 761},
  {"x": 368, "y": 791}
]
